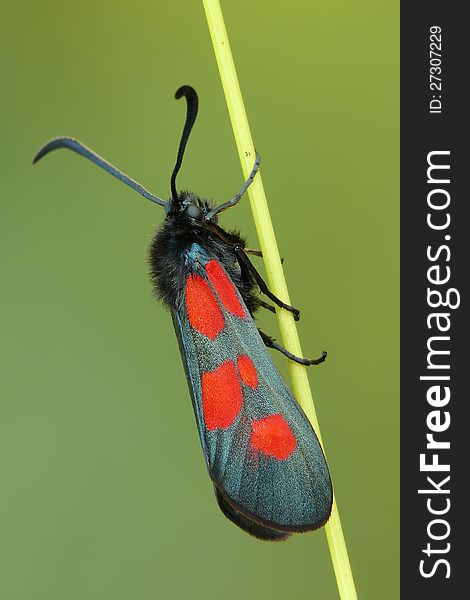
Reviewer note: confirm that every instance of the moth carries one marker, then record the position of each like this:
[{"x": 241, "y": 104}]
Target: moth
[{"x": 262, "y": 454}]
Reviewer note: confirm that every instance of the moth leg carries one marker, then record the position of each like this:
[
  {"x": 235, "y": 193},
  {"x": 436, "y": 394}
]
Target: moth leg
[
  {"x": 245, "y": 263},
  {"x": 266, "y": 305},
  {"x": 271, "y": 343},
  {"x": 259, "y": 253},
  {"x": 236, "y": 199},
  {"x": 254, "y": 252}
]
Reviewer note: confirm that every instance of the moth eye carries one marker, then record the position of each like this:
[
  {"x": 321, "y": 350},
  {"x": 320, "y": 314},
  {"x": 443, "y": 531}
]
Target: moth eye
[{"x": 194, "y": 212}]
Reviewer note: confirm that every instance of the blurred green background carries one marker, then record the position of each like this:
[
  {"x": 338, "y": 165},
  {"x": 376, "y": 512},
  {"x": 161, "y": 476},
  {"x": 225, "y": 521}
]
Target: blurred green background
[{"x": 104, "y": 490}]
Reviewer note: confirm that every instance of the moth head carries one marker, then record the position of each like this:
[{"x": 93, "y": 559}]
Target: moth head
[
  {"x": 193, "y": 211},
  {"x": 190, "y": 208}
]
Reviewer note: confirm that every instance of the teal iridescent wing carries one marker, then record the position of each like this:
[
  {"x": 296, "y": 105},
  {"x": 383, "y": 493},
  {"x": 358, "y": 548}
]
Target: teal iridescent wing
[{"x": 261, "y": 451}]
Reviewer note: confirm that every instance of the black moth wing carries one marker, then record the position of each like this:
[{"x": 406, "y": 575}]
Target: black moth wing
[
  {"x": 252, "y": 527},
  {"x": 291, "y": 493}
]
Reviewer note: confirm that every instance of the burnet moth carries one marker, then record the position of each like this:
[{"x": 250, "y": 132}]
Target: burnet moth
[{"x": 266, "y": 464}]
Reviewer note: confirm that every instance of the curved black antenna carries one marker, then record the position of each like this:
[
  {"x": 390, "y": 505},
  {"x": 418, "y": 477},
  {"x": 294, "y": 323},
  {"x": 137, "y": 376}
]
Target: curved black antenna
[
  {"x": 218, "y": 209},
  {"x": 79, "y": 148},
  {"x": 191, "y": 114}
]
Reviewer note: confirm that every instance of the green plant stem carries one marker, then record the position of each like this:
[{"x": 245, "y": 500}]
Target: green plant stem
[{"x": 275, "y": 275}]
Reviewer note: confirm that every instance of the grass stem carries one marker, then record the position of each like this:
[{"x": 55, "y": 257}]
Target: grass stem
[{"x": 275, "y": 275}]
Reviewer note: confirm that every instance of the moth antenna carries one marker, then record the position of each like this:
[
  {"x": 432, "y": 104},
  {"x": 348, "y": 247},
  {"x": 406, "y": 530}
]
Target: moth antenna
[
  {"x": 79, "y": 148},
  {"x": 236, "y": 199},
  {"x": 191, "y": 113}
]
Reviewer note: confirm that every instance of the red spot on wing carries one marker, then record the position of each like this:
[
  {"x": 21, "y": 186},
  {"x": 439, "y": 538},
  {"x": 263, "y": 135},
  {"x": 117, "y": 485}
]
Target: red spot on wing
[
  {"x": 224, "y": 288},
  {"x": 247, "y": 371},
  {"x": 204, "y": 312},
  {"x": 221, "y": 396},
  {"x": 272, "y": 436}
]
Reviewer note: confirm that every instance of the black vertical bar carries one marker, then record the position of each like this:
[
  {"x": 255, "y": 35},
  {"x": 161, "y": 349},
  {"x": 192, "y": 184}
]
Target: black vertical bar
[{"x": 422, "y": 411}]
